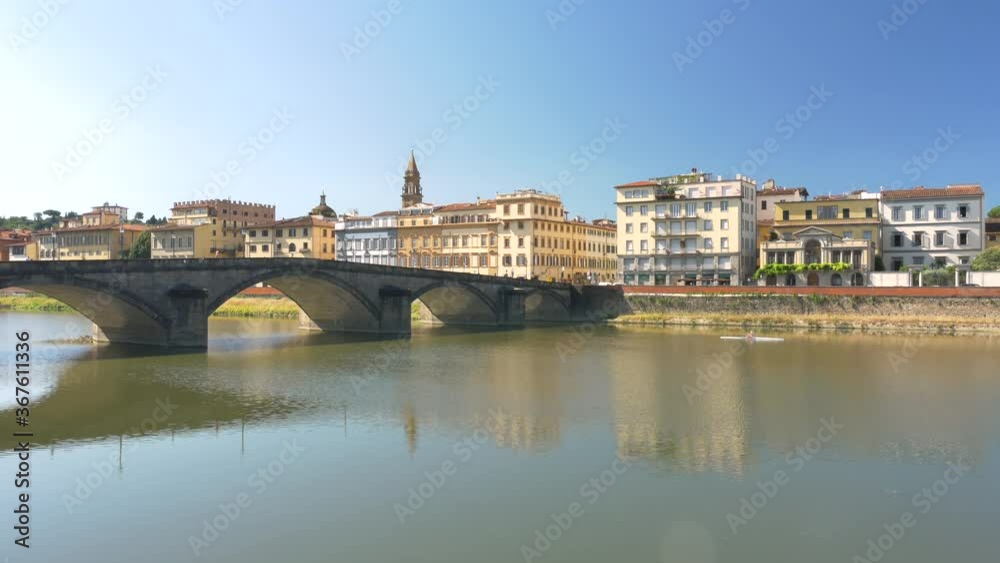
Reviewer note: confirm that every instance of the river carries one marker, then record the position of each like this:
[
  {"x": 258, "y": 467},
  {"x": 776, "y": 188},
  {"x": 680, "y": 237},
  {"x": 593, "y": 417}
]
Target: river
[{"x": 564, "y": 444}]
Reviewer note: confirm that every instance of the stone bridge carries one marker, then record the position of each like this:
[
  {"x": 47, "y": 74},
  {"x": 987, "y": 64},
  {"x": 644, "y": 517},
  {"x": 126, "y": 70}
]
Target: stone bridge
[{"x": 168, "y": 302}]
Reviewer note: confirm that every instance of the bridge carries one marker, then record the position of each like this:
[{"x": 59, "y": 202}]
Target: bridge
[{"x": 167, "y": 302}]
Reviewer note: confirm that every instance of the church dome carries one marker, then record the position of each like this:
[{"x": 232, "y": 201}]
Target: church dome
[{"x": 323, "y": 209}]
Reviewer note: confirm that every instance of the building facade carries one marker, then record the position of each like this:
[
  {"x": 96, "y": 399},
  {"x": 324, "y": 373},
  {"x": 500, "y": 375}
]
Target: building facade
[
  {"x": 767, "y": 198},
  {"x": 368, "y": 240},
  {"x": 88, "y": 242},
  {"x": 688, "y": 229},
  {"x": 932, "y": 227},
  {"x": 207, "y": 229},
  {"x": 992, "y": 232},
  {"x": 310, "y": 236}
]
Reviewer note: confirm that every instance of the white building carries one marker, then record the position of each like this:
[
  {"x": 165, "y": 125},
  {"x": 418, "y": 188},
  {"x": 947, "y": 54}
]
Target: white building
[
  {"x": 924, "y": 227},
  {"x": 368, "y": 240},
  {"x": 687, "y": 229}
]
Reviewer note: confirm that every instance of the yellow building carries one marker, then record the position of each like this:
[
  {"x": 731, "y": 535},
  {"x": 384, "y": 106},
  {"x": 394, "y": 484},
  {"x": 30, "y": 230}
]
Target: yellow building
[
  {"x": 311, "y": 236},
  {"x": 208, "y": 228},
  {"x": 851, "y": 216},
  {"x": 825, "y": 231},
  {"x": 88, "y": 242},
  {"x": 595, "y": 251},
  {"x": 535, "y": 239},
  {"x": 468, "y": 237}
]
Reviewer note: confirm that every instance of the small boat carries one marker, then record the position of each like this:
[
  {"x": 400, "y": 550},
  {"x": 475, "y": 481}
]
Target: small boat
[{"x": 754, "y": 339}]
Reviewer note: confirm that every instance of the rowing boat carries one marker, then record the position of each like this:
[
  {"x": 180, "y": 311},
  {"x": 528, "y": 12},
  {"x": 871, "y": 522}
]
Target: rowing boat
[{"x": 754, "y": 339}]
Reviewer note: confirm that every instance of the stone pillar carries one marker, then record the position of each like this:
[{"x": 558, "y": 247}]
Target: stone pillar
[
  {"x": 395, "y": 310},
  {"x": 510, "y": 311},
  {"x": 189, "y": 322}
]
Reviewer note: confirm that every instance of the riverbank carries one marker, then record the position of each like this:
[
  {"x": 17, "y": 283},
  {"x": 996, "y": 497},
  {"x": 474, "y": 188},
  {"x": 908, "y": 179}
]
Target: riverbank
[
  {"x": 257, "y": 307},
  {"x": 951, "y": 315}
]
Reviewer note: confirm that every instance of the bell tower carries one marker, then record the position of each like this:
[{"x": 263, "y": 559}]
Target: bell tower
[{"x": 412, "y": 192}]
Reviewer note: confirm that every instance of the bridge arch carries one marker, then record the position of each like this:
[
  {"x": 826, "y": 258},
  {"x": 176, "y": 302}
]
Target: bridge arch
[
  {"x": 546, "y": 305},
  {"x": 454, "y": 302},
  {"x": 119, "y": 314},
  {"x": 330, "y": 302}
]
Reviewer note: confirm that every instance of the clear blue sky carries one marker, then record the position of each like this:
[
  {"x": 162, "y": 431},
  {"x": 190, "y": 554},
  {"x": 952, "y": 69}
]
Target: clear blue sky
[{"x": 558, "y": 82}]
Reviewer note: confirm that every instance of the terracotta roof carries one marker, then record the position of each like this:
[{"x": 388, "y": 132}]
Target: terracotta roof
[
  {"x": 920, "y": 192},
  {"x": 82, "y": 228},
  {"x": 784, "y": 191},
  {"x": 639, "y": 184},
  {"x": 386, "y": 214},
  {"x": 484, "y": 204},
  {"x": 307, "y": 221}
]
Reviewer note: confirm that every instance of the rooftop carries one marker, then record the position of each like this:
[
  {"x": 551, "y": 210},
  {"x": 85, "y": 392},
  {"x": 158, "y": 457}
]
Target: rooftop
[
  {"x": 920, "y": 192},
  {"x": 85, "y": 228}
]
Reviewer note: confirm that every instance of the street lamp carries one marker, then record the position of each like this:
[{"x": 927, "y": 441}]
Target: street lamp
[
  {"x": 55, "y": 247},
  {"x": 121, "y": 240}
]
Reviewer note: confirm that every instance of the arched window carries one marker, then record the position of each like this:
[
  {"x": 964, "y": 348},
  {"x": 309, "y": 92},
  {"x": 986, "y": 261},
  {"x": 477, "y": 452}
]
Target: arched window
[
  {"x": 291, "y": 247},
  {"x": 812, "y": 279},
  {"x": 790, "y": 279},
  {"x": 836, "y": 279},
  {"x": 858, "y": 280},
  {"x": 772, "y": 280}
]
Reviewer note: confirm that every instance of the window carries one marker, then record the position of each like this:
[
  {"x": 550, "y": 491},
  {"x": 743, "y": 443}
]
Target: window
[
  {"x": 629, "y": 210},
  {"x": 897, "y": 240},
  {"x": 520, "y": 208},
  {"x": 867, "y": 235},
  {"x": 918, "y": 260},
  {"x": 784, "y": 215},
  {"x": 628, "y": 228},
  {"x": 506, "y": 242},
  {"x": 724, "y": 243},
  {"x": 643, "y": 227},
  {"x": 692, "y": 209},
  {"x": 825, "y": 212},
  {"x": 763, "y": 204},
  {"x": 291, "y": 232},
  {"x": 253, "y": 248},
  {"x": 708, "y": 207},
  {"x": 963, "y": 211},
  {"x": 644, "y": 246},
  {"x": 643, "y": 210},
  {"x": 918, "y": 212},
  {"x": 278, "y": 232},
  {"x": 708, "y": 244},
  {"x": 305, "y": 232},
  {"x": 661, "y": 210},
  {"x": 724, "y": 224},
  {"x": 845, "y": 213},
  {"x": 939, "y": 238},
  {"x": 708, "y": 225},
  {"x": 291, "y": 247},
  {"x": 675, "y": 209},
  {"x": 809, "y": 214},
  {"x": 848, "y": 234},
  {"x": 939, "y": 212},
  {"x": 963, "y": 238},
  {"x": 253, "y": 233},
  {"x": 918, "y": 238},
  {"x": 520, "y": 242},
  {"x": 724, "y": 206},
  {"x": 897, "y": 213},
  {"x": 628, "y": 247},
  {"x": 305, "y": 246},
  {"x": 506, "y": 211}
]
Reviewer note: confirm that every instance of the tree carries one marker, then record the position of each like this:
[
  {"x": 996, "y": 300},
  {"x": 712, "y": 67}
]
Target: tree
[
  {"x": 879, "y": 263},
  {"x": 995, "y": 212},
  {"x": 140, "y": 247},
  {"x": 139, "y": 216},
  {"x": 988, "y": 261}
]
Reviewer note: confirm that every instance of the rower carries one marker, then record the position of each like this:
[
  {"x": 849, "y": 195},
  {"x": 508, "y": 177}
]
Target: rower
[{"x": 751, "y": 336}]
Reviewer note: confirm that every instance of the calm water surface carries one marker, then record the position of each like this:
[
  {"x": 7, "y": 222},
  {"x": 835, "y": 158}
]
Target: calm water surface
[{"x": 457, "y": 446}]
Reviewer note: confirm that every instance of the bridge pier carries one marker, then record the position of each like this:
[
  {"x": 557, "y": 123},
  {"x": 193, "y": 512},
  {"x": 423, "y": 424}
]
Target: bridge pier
[
  {"x": 189, "y": 318},
  {"x": 395, "y": 310},
  {"x": 511, "y": 309}
]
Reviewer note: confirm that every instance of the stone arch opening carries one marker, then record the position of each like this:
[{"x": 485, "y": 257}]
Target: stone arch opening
[
  {"x": 328, "y": 303},
  {"x": 455, "y": 303},
  {"x": 118, "y": 315},
  {"x": 542, "y": 305},
  {"x": 812, "y": 279}
]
